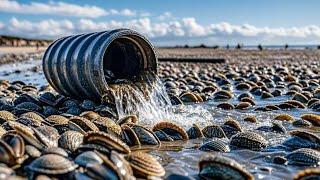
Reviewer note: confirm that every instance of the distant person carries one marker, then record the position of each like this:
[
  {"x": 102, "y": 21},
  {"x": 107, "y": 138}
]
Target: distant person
[
  {"x": 238, "y": 46},
  {"x": 37, "y": 46},
  {"x": 227, "y": 47},
  {"x": 260, "y": 47},
  {"x": 286, "y": 46},
  {"x": 318, "y": 47}
]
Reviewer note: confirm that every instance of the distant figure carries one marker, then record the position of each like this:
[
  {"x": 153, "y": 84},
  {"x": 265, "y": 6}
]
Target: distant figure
[
  {"x": 286, "y": 46},
  {"x": 186, "y": 46},
  {"x": 37, "y": 46},
  {"x": 260, "y": 47},
  {"x": 318, "y": 47},
  {"x": 227, "y": 47},
  {"x": 238, "y": 46},
  {"x": 202, "y": 46}
]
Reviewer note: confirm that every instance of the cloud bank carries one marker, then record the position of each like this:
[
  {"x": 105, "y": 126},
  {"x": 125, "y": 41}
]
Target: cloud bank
[
  {"x": 60, "y": 9},
  {"x": 185, "y": 30}
]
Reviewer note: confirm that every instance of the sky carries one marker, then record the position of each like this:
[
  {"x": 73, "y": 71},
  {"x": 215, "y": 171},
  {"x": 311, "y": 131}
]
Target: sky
[{"x": 169, "y": 22}]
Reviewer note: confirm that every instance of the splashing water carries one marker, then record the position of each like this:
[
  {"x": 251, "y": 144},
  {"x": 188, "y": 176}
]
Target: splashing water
[{"x": 149, "y": 100}]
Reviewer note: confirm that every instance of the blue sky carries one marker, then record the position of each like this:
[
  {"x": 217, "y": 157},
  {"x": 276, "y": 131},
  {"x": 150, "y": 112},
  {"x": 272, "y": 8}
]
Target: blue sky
[{"x": 169, "y": 22}]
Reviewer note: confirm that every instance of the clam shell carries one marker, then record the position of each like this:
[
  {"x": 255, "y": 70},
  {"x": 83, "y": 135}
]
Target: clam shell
[
  {"x": 70, "y": 140},
  {"x": 109, "y": 141},
  {"x": 145, "y": 165},
  {"x": 173, "y": 130},
  {"x": 213, "y": 131},
  {"x": 219, "y": 167},
  {"x": 215, "y": 145},
  {"x": 249, "y": 140},
  {"x": 304, "y": 157},
  {"x": 52, "y": 164}
]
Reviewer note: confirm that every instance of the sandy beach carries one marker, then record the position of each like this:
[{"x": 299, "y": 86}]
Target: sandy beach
[{"x": 26, "y": 49}]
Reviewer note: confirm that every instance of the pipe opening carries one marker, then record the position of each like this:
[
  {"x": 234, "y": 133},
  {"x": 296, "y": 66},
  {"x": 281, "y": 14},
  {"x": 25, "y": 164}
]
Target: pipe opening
[{"x": 123, "y": 59}]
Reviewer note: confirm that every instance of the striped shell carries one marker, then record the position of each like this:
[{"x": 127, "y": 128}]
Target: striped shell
[
  {"x": 145, "y": 165},
  {"x": 219, "y": 167},
  {"x": 173, "y": 130},
  {"x": 249, "y": 140},
  {"x": 213, "y": 131},
  {"x": 304, "y": 157},
  {"x": 215, "y": 145}
]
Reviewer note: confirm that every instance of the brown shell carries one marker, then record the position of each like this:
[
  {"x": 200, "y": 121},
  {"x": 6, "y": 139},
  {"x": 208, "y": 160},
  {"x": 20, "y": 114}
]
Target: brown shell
[
  {"x": 70, "y": 140},
  {"x": 243, "y": 105},
  {"x": 111, "y": 142},
  {"x": 307, "y": 173},
  {"x": 32, "y": 115},
  {"x": 209, "y": 160},
  {"x": 128, "y": 119},
  {"x": 16, "y": 143},
  {"x": 145, "y": 165},
  {"x": 305, "y": 135},
  {"x": 169, "y": 125},
  {"x": 81, "y": 124},
  {"x": 6, "y": 116},
  {"x": 52, "y": 164},
  {"x": 108, "y": 125},
  {"x": 251, "y": 119},
  {"x": 284, "y": 117},
  {"x": 313, "y": 118},
  {"x": 90, "y": 115},
  {"x": 233, "y": 123},
  {"x": 57, "y": 119},
  {"x": 6, "y": 154},
  {"x": 27, "y": 134}
]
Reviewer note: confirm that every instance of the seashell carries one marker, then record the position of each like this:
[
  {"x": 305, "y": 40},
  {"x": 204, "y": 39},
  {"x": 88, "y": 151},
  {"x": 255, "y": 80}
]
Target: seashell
[
  {"x": 248, "y": 140},
  {"x": 213, "y": 131},
  {"x": 106, "y": 140},
  {"x": 304, "y": 157},
  {"x": 55, "y": 150},
  {"x": 219, "y": 167},
  {"x": 225, "y": 106},
  {"x": 129, "y": 136},
  {"x": 145, "y": 136},
  {"x": 284, "y": 117},
  {"x": 251, "y": 119},
  {"x": 87, "y": 158},
  {"x": 174, "y": 131},
  {"x": 107, "y": 125},
  {"x": 231, "y": 127},
  {"x": 81, "y": 125},
  {"x": 313, "y": 118},
  {"x": 310, "y": 173},
  {"x": 90, "y": 115},
  {"x": 57, "y": 119},
  {"x": 162, "y": 136},
  {"x": 51, "y": 164},
  {"x": 70, "y": 140},
  {"x": 296, "y": 103},
  {"x": 302, "y": 139},
  {"x": 6, "y": 116},
  {"x": 128, "y": 119},
  {"x": 195, "y": 132},
  {"x": 215, "y": 145},
  {"x": 301, "y": 123},
  {"x": 243, "y": 105},
  {"x": 144, "y": 165}
]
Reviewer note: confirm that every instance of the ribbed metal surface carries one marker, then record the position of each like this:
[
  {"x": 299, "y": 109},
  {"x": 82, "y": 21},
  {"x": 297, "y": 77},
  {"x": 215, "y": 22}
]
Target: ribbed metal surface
[{"x": 75, "y": 65}]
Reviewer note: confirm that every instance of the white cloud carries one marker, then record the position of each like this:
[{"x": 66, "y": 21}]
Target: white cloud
[
  {"x": 165, "y": 16},
  {"x": 61, "y": 9},
  {"x": 182, "y": 31}
]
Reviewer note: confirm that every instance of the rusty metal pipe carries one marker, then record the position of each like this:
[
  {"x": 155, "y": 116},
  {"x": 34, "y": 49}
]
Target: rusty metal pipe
[{"x": 82, "y": 65}]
